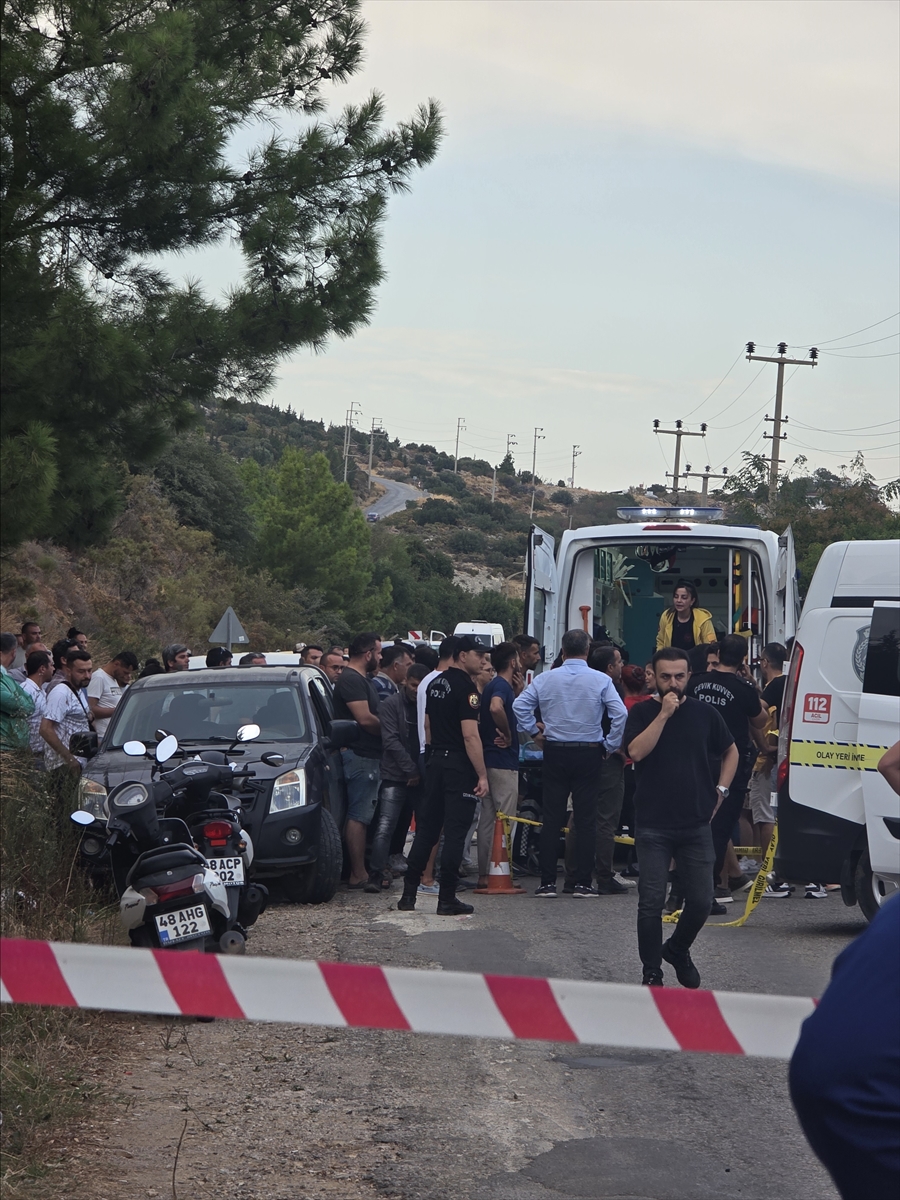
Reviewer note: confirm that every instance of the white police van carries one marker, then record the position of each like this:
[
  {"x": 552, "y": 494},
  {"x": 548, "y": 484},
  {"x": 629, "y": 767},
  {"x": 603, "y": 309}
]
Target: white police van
[
  {"x": 838, "y": 820},
  {"x": 616, "y": 580}
]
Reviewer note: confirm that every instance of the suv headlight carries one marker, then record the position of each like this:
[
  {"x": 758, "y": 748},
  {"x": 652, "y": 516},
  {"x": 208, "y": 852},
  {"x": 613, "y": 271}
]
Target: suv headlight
[
  {"x": 288, "y": 791},
  {"x": 92, "y": 798}
]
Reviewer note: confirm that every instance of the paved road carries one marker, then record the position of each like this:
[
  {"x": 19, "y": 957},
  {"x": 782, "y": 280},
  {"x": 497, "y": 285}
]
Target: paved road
[
  {"x": 362, "y": 1115},
  {"x": 394, "y": 498}
]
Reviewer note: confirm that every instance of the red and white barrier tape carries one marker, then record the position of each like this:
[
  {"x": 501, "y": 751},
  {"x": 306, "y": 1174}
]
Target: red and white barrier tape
[{"x": 172, "y": 982}]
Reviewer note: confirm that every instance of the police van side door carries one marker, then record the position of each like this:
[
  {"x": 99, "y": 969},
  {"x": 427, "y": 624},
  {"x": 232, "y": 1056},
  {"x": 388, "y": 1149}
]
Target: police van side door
[
  {"x": 879, "y": 725},
  {"x": 541, "y": 592}
]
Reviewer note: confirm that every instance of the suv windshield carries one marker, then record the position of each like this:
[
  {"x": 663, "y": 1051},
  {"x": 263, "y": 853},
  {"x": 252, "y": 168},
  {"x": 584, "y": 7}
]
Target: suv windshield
[{"x": 202, "y": 714}]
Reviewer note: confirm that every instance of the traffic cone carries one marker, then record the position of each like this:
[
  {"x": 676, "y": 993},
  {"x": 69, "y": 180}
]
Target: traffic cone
[{"x": 499, "y": 879}]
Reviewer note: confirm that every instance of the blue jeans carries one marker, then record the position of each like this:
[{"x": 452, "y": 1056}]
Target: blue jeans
[
  {"x": 362, "y": 777},
  {"x": 694, "y": 856}
]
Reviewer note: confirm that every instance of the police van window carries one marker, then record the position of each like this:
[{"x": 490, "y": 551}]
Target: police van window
[{"x": 882, "y": 676}]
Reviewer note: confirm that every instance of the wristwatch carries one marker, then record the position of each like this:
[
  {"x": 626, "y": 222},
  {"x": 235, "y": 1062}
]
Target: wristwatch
[{"x": 723, "y": 790}]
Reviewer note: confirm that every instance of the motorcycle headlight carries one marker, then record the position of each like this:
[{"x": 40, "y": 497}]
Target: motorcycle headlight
[
  {"x": 132, "y": 795},
  {"x": 288, "y": 791},
  {"x": 92, "y": 798}
]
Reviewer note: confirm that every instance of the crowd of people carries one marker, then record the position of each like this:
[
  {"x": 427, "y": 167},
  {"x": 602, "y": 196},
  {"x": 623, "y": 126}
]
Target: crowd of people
[{"x": 55, "y": 704}]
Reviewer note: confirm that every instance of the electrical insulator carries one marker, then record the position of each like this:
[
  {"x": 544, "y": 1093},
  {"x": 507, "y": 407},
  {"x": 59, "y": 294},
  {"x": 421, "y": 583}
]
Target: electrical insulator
[
  {"x": 688, "y": 467},
  {"x": 656, "y": 424},
  {"x": 782, "y": 348},
  {"x": 703, "y": 427},
  {"x": 677, "y": 424},
  {"x": 751, "y": 347},
  {"x": 724, "y": 470},
  {"x": 813, "y": 353}
]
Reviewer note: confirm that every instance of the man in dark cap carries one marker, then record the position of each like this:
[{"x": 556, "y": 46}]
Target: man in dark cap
[{"x": 455, "y": 775}]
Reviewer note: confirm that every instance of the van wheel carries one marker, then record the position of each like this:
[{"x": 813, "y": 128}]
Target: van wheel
[
  {"x": 318, "y": 883},
  {"x": 871, "y": 892}
]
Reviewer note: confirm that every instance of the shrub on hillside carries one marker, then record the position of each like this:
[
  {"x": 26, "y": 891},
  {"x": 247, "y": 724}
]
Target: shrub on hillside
[
  {"x": 566, "y": 499},
  {"x": 437, "y": 512},
  {"x": 467, "y": 541}
]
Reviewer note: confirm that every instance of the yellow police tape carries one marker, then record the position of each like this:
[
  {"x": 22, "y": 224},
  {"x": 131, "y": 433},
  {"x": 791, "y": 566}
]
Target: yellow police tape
[
  {"x": 625, "y": 841},
  {"x": 753, "y": 896}
]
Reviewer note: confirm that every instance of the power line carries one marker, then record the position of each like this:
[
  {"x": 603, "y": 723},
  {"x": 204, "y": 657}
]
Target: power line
[
  {"x": 836, "y": 354},
  {"x": 855, "y": 345},
  {"x": 718, "y": 385},
  {"x": 738, "y": 396},
  {"x": 855, "y": 429},
  {"x": 844, "y": 450},
  {"x": 865, "y": 329}
]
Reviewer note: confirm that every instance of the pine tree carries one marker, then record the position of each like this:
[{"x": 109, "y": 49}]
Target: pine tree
[{"x": 119, "y": 121}]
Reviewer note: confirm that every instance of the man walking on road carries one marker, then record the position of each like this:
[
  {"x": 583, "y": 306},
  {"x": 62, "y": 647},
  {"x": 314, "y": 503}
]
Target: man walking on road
[
  {"x": 455, "y": 777},
  {"x": 573, "y": 701},
  {"x": 672, "y": 740},
  {"x": 500, "y": 741}
]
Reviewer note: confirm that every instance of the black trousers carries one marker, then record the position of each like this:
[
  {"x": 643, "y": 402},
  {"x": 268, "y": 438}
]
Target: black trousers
[
  {"x": 722, "y": 824},
  {"x": 575, "y": 771},
  {"x": 449, "y": 804}
]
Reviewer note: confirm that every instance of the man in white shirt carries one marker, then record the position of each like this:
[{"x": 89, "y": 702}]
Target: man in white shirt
[
  {"x": 106, "y": 687},
  {"x": 445, "y": 661},
  {"x": 67, "y": 713},
  {"x": 38, "y": 672}
]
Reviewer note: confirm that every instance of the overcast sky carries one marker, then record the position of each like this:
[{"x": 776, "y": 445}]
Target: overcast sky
[{"x": 628, "y": 192}]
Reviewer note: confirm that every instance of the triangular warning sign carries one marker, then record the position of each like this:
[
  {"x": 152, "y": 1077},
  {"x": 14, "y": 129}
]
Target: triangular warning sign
[{"x": 229, "y": 630}]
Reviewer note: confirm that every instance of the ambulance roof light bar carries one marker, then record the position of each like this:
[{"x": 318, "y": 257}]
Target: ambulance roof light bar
[{"x": 669, "y": 514}]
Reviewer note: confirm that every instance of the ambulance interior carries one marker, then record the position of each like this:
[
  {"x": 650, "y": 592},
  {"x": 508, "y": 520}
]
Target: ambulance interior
[{"x": 633, "y": 584}]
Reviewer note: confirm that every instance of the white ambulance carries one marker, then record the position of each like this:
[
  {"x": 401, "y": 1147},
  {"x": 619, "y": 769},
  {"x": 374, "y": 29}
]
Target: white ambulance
[
  {"x": 838, "y": 820},
  {"x": 615, "y": 581}
]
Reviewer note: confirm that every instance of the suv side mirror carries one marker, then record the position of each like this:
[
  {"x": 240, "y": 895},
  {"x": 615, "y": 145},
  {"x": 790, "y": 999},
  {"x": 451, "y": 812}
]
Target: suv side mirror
[{"x": 342, "y": 734}]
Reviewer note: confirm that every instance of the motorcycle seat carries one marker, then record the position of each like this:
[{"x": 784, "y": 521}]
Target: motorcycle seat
[{"x": 161, "y": 859}]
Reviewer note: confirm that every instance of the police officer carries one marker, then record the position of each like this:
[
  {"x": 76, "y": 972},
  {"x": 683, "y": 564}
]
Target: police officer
[{"x": 455, "y": 775}]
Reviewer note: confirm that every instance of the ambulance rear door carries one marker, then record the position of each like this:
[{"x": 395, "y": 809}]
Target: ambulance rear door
[
  {"x": 787, "y": 592},
  {"x": 541, "y": 592}
]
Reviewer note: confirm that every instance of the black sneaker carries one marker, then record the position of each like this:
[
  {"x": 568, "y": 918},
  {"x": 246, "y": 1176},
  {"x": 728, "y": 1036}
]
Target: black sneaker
[
  {"x": 652, "y": 978},
  {"x": 687, "y": 973},
  {"x": 584, "y": 889},
  {"x": 547, "y": 889},
  {"x": 723, "y": 895},
  {"x": 717, "y": 910},
  {"x": 407, "y": 903},
  {"x": 453, "y": 908},
  {"x": 611, "y": 887},
  {"x": 569, "y": 888}
]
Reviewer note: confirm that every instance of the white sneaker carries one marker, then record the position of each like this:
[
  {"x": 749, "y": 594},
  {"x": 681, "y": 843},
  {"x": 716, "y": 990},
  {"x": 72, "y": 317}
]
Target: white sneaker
[
  {"x": 815, "y": 891},
  {"x": 777, "y": 891},
  {"x": 749, "y": 866},
  {"x": 624, "y": 880}
]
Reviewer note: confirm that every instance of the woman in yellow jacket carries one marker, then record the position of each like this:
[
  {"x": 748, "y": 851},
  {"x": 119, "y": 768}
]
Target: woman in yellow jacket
[{"x": 684, "y": 624}]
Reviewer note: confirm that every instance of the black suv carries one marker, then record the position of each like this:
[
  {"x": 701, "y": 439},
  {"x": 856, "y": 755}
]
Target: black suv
[{"x": 293, "y": 809}]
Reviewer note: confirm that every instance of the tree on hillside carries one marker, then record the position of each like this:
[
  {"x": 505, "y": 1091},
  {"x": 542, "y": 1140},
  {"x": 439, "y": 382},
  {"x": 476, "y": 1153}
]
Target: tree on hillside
[
  {"x": 120, "y": 120},
  {"x": 310, "y": 534}
]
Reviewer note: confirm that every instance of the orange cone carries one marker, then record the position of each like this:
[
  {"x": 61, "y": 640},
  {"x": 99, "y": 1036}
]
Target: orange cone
[{"x": 500, "y": 878}]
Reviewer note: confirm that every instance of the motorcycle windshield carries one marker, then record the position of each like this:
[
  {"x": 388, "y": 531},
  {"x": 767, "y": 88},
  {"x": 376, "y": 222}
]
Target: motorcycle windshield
[{"x": 210, "y": 714}]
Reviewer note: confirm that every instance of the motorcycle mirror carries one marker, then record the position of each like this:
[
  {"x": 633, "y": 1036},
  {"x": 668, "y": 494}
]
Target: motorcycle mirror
[
  {"x": 272, "y": 759},
  {"x": 166, "y": 748},
  {"x": 135, "y": 749},
  {"x": 248, "y": 733},
  {"x": 80, "y": 817},
  {"x": 162, "y": 733}
]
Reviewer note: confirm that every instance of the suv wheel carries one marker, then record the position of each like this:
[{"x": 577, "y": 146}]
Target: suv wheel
[
  {"x": 871, "y": 892},
  {"x": 317, "y": 884}
]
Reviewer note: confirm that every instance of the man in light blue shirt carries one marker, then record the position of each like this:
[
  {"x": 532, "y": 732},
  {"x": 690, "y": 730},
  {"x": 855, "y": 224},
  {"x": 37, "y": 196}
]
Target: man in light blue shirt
[{"x": 573, "y": 700}]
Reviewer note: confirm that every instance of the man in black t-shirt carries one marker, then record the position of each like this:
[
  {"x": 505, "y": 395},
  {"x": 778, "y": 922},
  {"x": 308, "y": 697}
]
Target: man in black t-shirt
[
  {"x": 673, "y": 742},
  {"x": 355, "y": 699},
  {"x": 455, "y": 775},
  {"x": 738, "y": 703}
]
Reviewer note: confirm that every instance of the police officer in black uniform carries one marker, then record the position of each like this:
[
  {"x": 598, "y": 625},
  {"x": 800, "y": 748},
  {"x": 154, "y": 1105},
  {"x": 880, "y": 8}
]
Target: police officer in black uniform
[{"x": 455, "y": 776}]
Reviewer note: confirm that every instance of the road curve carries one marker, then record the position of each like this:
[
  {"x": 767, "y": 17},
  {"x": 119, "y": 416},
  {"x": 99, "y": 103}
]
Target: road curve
[{"x": 394, "y": 498}]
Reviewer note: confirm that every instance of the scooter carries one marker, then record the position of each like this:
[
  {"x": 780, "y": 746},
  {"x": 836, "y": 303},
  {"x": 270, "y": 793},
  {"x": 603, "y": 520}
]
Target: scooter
[{"x": 169, "y": 894}]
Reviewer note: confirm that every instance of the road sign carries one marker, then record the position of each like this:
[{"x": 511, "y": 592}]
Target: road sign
[
  {"x": 415, "y": 635},
  {"x": 229, "y": 630}
]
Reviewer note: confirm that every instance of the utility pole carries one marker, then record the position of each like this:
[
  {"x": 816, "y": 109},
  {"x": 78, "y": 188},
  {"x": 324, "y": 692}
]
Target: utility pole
[
  {"x": 576, "y": 453},
  {"x": 538, "y": 436},
  {"x": 706, "y": 476},
  {"x": 460, "y": 426},
  {"x": 510, "y": 442},
  {"x": 376, "y": 428},
  {"x": 494, "y": 487},
  {"x": 776, "y": 436},
  {"x": 678, "y": 433},
  {"x": 351, "y": 417}
]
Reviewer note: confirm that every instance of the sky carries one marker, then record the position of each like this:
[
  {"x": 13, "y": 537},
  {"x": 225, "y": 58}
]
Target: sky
[{"x": 628, "y": 192}]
